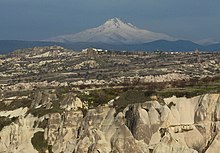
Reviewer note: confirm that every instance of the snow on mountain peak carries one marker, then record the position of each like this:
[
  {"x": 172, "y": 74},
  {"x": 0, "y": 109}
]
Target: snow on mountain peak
[
  {"x": 114, "y": 22},
  {"x": 118, "y": 23},
  {"x": 114, "y": 31}
]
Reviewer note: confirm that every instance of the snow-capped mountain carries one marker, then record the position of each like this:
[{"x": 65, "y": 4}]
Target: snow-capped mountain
[{"x": 113, "y": 31}]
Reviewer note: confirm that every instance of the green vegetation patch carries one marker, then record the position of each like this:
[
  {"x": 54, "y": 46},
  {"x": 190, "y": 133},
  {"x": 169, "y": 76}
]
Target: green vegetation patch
[
  {"x": 61, "y": 91},
  {"x": 132, "y": 96},
  {"x": 99, "y": 97},
  {"x": 39, "y": 112},
  {"x": 6, "y": 121},
  {"x": 16, "y": 103},
  {"x": 55, "y": 108},
  {"x": 39, "y": 143},
  {"x": 189, "y": 91}
]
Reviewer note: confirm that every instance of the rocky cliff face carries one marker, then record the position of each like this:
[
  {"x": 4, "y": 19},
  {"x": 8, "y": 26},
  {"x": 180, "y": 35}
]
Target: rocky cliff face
[{"x": 178, "y": 125}]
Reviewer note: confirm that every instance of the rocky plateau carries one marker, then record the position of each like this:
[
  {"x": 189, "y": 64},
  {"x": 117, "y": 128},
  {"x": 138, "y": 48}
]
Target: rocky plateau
[{"x": 55, "y": 100}]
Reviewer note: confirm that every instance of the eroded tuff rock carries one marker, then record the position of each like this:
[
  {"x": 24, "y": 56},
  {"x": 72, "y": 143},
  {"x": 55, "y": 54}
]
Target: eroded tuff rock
[
  {"x": 71, "y": 102},
  {"x": 43, "y": 99},
  {"x": 180, "y": 125},
  {"x": 17, "y": 136}
]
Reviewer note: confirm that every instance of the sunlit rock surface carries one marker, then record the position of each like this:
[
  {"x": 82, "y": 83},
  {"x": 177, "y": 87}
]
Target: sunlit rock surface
[{"x": 188, "y": 125}]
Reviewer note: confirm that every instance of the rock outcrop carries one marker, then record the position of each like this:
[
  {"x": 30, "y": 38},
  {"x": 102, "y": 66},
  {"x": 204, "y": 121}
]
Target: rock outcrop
[{"x": 179, "y": 125}]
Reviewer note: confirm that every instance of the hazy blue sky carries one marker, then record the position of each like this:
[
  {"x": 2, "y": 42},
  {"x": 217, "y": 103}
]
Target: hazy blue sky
[{"x": 40, "y": 19}]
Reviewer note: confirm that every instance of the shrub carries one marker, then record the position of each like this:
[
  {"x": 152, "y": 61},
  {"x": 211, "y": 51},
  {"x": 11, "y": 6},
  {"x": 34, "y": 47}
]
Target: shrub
[{"x": 39, "y": 143}]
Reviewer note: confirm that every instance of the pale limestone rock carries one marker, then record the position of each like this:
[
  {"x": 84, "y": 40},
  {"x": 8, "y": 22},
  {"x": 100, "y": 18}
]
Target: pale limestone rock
[
  {"x": 17, "y": 136},
  {"x": 143, "y": 146},
  {"x": 63, "y": 136},
  {"x": 215, "y": 145},
  {"x": 207, "y": 107},
  {"x": 194, "y": 138},
  {"x": 93, "y": 141},
  {"x": 217, "y": 110},
  {"x": 176, "y": 115},
  {"x": 154, "y": 116},
  {"x": 124, "y": 142},
  {"x": 183, "y": 104},
  {"x": 138, "y": 128},
  {"x": 155, "y": 139},
  {"x": 70, "y": 102},
  {"x": 144, "y": 116},
  {"x": 168, "y": 144},
  {"x": 118, "y": 121},
  {"x": 43, "y": 99},
  {"x": 167, "y": 117}
]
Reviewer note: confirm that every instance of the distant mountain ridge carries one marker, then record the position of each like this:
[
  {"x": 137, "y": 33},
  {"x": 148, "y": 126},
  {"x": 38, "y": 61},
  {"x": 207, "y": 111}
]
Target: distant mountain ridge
[
  {"x": 113, "y": 31},
  {"x": 7, "y": 46},
  {"x": 114, "y": 34}
]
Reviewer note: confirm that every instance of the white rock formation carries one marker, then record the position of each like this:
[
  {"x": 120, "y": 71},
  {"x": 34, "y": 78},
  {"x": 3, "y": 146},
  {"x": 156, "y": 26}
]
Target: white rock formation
[{"x": 189, "y": 125}]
